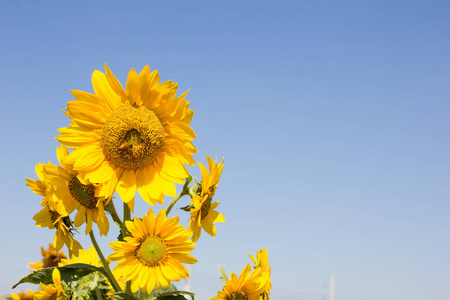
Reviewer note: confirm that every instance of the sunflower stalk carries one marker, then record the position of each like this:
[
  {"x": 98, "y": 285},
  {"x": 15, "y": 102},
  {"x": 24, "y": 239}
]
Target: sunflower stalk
[
  {"x": 185, "y": 191},
  {"x": 110, "y": 276},
  {"x": 112, "y": 211},
  {"x": 126, "y": 212}
]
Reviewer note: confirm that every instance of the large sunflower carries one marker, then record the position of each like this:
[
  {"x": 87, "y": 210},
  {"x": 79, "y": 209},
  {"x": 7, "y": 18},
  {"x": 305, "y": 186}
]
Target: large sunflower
[
  {"x": 154, "y": 253},
  {"x": 249, "y": 286},
  {"x": 49, "y": 216},
  {"x": 203, "y": 214},
  {"x": 71, "y": 194},
  {"x": 136, "y": 138}
]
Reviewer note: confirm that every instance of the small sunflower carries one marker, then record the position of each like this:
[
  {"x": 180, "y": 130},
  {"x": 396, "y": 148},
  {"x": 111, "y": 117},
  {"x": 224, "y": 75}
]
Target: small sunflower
[
  {"x": 49, "y": 216},
  {"x": 262, "y": 265},
  {"x": 154, "y": 253},
  {"x": 203, "y": 214},
  {"x": 53, "y": 291},
  {"x": 130, "y": 139},
  {"x": 72, "y": 194},
  {"x": 249, "y": 286},
  {"x": 89, "y": 257},
  {"x": 51, "y": 258},
  {"x": 22, "y": 296}
]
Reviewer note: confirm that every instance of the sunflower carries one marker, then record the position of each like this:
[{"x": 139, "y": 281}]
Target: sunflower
[
  {"x": 154, "y": 253},
  {"x": 203, "y": 214},
  {"x": 89, "y": 257},
  {"x": 131, "y": 139},
  {"x": 49, "y": 216},
  {"x": 51, "y": 258},
  {"x": 262, "y": 264},
  {"x": 22, "y": 296},
  {"x": 53, "y": 291},
  {"x": 71, "y": 194},
  {"x": 249, "y": 286}
]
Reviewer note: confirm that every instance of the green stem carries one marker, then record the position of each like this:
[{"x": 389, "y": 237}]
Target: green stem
[
  {"x": 112, "y": 211},
  {"x": 126, "y": 213},
  {"x": 185, "y": 191},
  {"x": 127, "y": 217},
  {"x": 111, "y": 277},
  {"x": 128, "y": 287},
  {"x": 175, "y": 201}
]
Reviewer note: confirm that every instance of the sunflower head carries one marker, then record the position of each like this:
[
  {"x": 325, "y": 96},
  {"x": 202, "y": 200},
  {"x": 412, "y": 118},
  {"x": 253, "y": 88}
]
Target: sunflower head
[
  {"x": 262, "y": 265},
  {"x": 203, "y": 214},
  {"x": 130, "y": 139},
  {"x": 53, "y": 291},
  {"x": 154, "y": 252},
  {"x": 51, "y": 216},
  {"x": 89, "y": 257},
  {"x": 51, "y": 258},
  {"x": 249, "y": 286},
  {"x": 72, "y": 193}
]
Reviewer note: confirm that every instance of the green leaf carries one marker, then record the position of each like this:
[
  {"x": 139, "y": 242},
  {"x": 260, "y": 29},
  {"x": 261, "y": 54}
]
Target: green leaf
[
  {"x": 187, "y": 208},
  {"x": 171, "y": 297},
  {"x": 69, "y": 273},
  {"x": 93, "y": 286},
  {"x": 36, "y": 277},
  {"x": 123, "y": 296},
  {"x": 75, "y": 271},
  {"x": 224, "y": 274},
  {"x": 175, "y": 295}
]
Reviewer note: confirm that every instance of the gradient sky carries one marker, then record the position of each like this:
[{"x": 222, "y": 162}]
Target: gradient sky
[{"x": 333, "y": 118}]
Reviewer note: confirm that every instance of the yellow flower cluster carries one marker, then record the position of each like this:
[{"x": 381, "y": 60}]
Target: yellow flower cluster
[{"x": 130, "y": 140}]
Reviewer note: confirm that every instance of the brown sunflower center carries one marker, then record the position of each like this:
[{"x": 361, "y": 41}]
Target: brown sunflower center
[
  {"x": 51, "y": 261},
  {"x": 151, "y": 250},
  {"x": 205, "y": 207},
  {"x": 54, "y": 215},
  {"x": 132, "y": 137},
  {"x": 84, "y": 194},
  {"x": 238, "y": 295}
]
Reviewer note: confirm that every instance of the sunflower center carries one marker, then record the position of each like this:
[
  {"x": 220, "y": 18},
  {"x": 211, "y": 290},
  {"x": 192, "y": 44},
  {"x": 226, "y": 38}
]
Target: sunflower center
[
  {"x": 132, "y": 137},
  {"x": 51, "y": 261},
  {"x": 238, "y": 295},
  {"x": 151, "y": 250},
  {"x": 84, "y": 194},
  {"x": 205, "y": 207},
  {"x": 54, "y": 215}
]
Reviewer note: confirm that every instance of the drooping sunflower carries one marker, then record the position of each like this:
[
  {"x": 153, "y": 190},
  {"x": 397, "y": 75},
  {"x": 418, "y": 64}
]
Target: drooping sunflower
[
  {"x": 203, "y": 214},
  {"x": 22, "y": 296},
  {"x": 53, "y": 291},
  {"x": 131, "y": 139},
  {"x": 262, "y": 265},
  {"x": 72, "y": 194},
  {"x": 154, "y": 253},
  {"x": 49, "y": 216},
  {"x": 249, "y": 286},
  {"x": 51, "y": 258}
]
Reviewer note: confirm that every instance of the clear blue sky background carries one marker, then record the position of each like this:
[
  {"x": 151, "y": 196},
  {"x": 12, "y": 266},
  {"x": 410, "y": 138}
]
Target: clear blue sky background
[{"x": 333, "y": 118}]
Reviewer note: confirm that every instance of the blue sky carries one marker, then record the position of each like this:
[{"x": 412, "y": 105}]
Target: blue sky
[{"x": 332, "y": 118}]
